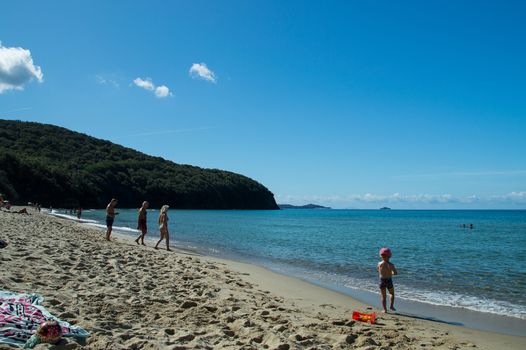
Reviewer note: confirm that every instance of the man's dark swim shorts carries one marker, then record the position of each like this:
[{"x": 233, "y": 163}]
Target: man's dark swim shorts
[
  {"x": 386, "y": 283},
  {"x": 109, "y": 221},
  {"x": 141, "y": 225}
]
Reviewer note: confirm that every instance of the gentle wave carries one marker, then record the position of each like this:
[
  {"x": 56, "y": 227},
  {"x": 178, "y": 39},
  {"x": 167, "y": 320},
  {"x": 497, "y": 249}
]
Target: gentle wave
[
  {"x": 71, "y": 217},
  {"x": 437, "y": 298},
  {"x": 472, "y": 303},
  {"x": 441, "y": 298},
  {"x": 115, "y": 228}
]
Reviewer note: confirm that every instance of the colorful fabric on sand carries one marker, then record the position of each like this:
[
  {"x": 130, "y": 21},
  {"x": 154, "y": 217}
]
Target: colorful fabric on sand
[{"x": 24, "y": 321}]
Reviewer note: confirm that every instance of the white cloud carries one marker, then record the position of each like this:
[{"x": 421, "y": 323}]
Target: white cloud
[
  {"x": 371, "y": 200},
  {"x": 17, "y": 68},
  {"x": 144, "y": 83},
  {"x": 415, "y": 198},
  {"x": 160, "y": 91},
  {"x": 200, "y": 70},
  {"x": 515, "y": 197}
]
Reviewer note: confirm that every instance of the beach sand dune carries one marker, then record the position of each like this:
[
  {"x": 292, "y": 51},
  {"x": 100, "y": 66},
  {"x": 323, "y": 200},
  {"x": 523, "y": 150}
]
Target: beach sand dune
[{"x": 134, "y": 297}]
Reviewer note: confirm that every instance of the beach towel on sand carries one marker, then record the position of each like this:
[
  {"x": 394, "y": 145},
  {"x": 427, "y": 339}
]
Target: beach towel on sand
[{"x": 20, "y": 316}]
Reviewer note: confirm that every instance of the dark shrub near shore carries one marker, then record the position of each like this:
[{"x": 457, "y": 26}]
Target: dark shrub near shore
[{"x": 56, "y": 166}]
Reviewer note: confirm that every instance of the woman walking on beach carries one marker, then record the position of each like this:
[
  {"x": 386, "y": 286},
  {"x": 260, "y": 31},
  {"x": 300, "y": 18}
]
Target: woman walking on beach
[
  {"x": 163, "y": 227},
  {"x": 141, "y": 224}
]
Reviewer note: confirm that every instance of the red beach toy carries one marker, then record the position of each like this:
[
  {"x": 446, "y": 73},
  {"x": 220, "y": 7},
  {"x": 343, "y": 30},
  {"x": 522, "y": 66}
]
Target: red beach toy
[{"x": 358, "y": 316}]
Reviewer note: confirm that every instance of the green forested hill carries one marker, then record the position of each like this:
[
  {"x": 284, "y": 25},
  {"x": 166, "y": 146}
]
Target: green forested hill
[{"x": 59, "y": 167}]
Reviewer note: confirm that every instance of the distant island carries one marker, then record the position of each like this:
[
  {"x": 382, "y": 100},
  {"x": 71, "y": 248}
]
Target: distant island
[
  {"x": 307, "y": 206},
  {"x": 57, "y": 167},
  {"x": 385, "y": 208}
]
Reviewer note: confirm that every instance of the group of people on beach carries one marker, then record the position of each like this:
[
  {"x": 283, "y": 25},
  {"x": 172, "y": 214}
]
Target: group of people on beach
[
  {"x": 386, "y": 269},
  {"x": 5, "y": 204},
  {"x": 141, "y": 222}
]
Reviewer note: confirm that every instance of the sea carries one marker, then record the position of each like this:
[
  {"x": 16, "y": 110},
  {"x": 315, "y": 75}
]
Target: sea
[{"x": 467, "y": 262}]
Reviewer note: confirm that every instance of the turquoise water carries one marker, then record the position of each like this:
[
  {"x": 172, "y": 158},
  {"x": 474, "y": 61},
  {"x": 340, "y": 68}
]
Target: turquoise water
[{"x": 439, "y": 262}]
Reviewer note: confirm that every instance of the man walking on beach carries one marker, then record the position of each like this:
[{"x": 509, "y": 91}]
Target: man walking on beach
[
  {"x": 110, "y": 216},
  {"x": 141, "y": 222}
]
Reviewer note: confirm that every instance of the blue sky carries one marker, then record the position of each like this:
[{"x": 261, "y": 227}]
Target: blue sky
[{"x": 417, "y": 104}]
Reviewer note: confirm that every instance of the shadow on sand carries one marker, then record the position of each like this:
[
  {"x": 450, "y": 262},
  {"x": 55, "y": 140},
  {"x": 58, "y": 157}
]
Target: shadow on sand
[{"x": 432, "y": 319}]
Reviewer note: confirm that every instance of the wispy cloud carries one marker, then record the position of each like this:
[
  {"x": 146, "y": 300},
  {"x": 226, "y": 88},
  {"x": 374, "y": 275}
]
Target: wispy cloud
[
  {"x": 414, "y": 198},
  {"x": 105, "y": 81},
  {"x": 17, "y": 68},
  {"x": 371, "y": 199},
  {"x": 465, "y": 174},
  {"x": 201, "y": 71},
  {"x": 160, "y": 91},
  {"x": 304, "y": 199},
  {"x": 163, "y": 132},
  {"x": 516, "y": 197},
  {"x": 379, "y": 198}
]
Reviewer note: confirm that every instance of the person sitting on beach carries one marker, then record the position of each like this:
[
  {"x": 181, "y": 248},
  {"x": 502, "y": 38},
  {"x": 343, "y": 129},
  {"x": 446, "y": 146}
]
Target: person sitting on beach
[
  {"x": 386, "y": 270},
  {"x": 7, "y": 205},
  {"x": 141, "y": 222},
  {"x": 110, "y": 217},
  {"x": 21, "y": 211},
  {"x": 163, "y": 226}
]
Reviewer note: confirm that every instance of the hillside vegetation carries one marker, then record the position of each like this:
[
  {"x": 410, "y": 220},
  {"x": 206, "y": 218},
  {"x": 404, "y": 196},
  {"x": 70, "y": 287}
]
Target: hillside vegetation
[{"x": 59, "y": 167}]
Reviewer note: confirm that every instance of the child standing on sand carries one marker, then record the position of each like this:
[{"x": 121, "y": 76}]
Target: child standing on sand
[{"x": 386, "y": 270}]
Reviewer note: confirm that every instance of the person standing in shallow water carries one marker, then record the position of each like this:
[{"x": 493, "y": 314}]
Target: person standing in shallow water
[
  {"x": 163, "y": 227},
  {"x": 110, "y": 217},
  {"x": 141, "y": 222}
]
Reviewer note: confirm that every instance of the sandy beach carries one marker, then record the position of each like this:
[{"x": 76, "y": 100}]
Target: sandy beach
[{"x": 135, "y": 297}]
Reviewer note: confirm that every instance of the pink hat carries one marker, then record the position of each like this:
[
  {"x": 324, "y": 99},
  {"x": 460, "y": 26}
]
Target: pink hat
[{"x": 386, "y": 252}]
